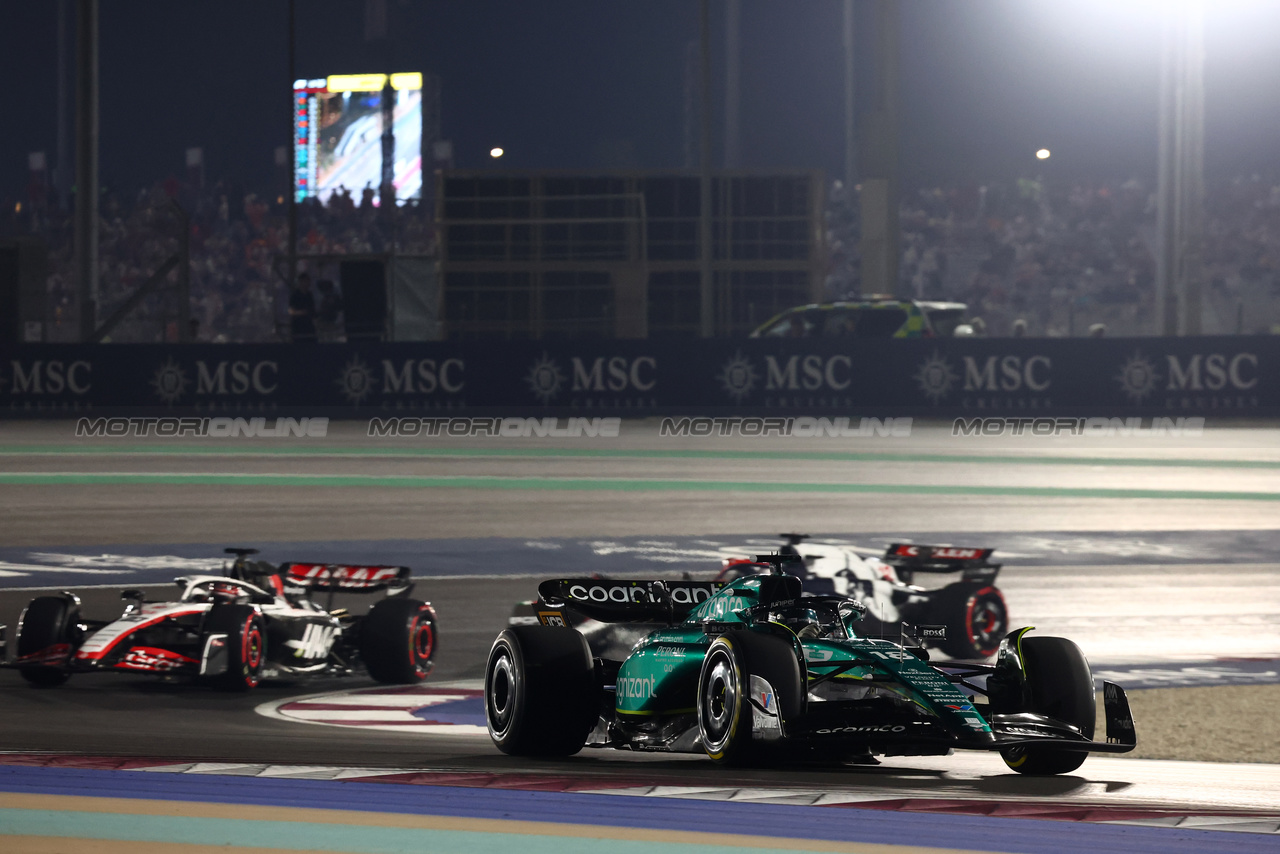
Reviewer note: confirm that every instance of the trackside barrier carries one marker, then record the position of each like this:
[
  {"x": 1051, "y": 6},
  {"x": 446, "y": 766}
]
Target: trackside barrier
[{"x": 943, "y": 378}]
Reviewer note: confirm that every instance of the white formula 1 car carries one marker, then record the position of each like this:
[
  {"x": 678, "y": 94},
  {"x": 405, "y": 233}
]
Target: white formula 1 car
[{"x": 973, "y": 609}]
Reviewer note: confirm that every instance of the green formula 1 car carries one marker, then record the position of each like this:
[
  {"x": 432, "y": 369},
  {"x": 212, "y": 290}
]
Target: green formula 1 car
[{"x": 753, "y": 671}]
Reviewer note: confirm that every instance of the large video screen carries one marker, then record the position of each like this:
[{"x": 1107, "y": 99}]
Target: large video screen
[{"x": 337, "y": 134}]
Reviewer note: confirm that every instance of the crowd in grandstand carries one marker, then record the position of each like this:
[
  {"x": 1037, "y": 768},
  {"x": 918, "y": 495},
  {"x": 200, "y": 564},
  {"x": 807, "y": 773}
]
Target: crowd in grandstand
[
  {"x": 1025, "y": 257},
  {"x": 1059, "y": 260},
  {"x": 237, "y": 244}
]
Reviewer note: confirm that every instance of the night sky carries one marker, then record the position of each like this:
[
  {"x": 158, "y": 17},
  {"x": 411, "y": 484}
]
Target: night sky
[{"x": 577, "y": 84}]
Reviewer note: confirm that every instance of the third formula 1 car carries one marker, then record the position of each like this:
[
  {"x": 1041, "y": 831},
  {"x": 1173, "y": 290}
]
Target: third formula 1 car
[
  {"x": 972, "y": 608},
  {"x": 753, "y": 671},
  {"x": 257, "y": 621}
]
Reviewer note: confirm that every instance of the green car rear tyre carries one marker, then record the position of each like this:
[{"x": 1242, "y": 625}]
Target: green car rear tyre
[{"x": 541, "y": 696}]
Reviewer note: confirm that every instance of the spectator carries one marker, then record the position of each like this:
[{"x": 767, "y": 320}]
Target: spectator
[
  {"x": 1056, "y": 256},
  {"x": 302, "y": 311},
  {"x": 328, "y": 328}
]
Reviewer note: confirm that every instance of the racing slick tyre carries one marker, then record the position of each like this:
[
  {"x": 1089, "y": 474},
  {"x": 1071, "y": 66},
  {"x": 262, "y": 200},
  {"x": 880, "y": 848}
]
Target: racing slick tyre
[
  {"x": 541, "y": 696},
  {"x": 725, "y": 698},
  {"x": 976, "y": 618},
  {"x": 47, "y": 626},
  {"x": 398, "y": 641},
  {"x": 1060, "y": 685},
  {"x": 246, "y": 644}
]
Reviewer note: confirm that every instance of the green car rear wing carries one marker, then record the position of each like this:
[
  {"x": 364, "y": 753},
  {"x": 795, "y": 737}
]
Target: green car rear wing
[{"x": 612, "y": 600}]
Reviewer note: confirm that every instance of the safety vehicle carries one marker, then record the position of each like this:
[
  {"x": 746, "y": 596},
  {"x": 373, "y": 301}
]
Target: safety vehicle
[{"x": 867, "y": 316}]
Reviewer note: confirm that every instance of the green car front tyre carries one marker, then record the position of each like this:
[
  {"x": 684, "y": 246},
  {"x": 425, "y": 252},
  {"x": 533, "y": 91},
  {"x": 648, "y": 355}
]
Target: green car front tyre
[
  {"x": 1060, "y": 685},
  {"x": 725, "y": 718}
]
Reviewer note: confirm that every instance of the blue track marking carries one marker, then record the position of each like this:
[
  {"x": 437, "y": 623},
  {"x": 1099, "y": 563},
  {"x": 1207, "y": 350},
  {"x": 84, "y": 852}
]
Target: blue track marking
[
  {"x": 1018, "y": 836},
  {"x": 469, "y": 712},
  {"x": 60, "y": 566},
  {"x": 1197, "y": 674}
]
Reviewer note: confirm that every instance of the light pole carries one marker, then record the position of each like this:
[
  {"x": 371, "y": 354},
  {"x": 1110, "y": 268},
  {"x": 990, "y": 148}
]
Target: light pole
[
  {"x": 850, "y": 102},
  {"x": 1180, "y": 164},
  {"x": 878, "y": 169},
  {"x": 732, "y": 78},
  {"x": 706, "y": 281},
  {"x": 293, "y": 160},
  {"x": 86, "y": 235}
]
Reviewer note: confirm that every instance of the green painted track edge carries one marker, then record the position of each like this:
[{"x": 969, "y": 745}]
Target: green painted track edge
[
  {"x": 621, "y": 453},
  {"x": 600, "y": 485}
]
